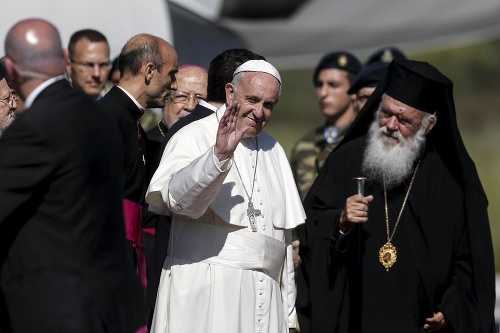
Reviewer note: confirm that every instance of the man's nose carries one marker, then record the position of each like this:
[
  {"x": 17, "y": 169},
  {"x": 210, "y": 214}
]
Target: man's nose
[
  {"x": 173, "y": 85},
  {"x": 259, "y": 110},
  {"x": 323, "y": 90},
  {"x": 392, "y": 123},
  {"x": 190, "y": 104}
]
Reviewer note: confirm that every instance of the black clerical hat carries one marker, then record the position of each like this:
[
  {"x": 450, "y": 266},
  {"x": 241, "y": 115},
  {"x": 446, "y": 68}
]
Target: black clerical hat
[
  {"x": 417, "y": 84},
  {"x": 369, "y": 76},
  {"x": 385, "y": 54},
  {"x": 338, "y": 60}
]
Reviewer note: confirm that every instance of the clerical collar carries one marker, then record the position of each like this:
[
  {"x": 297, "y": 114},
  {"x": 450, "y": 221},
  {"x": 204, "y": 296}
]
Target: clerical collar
[{"x": 139, "y": 106}]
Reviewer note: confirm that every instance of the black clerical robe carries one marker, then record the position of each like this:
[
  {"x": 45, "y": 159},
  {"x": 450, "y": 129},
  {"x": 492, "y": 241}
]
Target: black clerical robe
[
  {"x": 133, "y": 138},
  {"x": 342, "y": 285}
]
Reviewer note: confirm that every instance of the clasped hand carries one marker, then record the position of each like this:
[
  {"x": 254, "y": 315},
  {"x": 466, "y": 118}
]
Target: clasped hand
[
  {"x": 436, "y": 323},
  {"x": 355, "y": 211}
]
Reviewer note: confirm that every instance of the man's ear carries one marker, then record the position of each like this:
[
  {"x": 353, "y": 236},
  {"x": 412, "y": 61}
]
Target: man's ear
[
  {"x": 352, "y": 97},
  {"x": 432, "y": 123},
  {"x": 9, "y": 67},
  {"x": 66, "y": 57},
  {"x": 149, "y": 69},
  {"x": 67, "y": 63},
  {"x": 230, "y": 92}
]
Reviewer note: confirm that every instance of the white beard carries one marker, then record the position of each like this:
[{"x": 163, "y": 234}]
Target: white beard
[{"x": 392, "y": 162}]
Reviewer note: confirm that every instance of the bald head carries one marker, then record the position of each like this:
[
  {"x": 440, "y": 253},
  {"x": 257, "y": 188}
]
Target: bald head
[
  {"x": 192, "y": 79},
  {"x": 191, "y": 89},
  {"x": 148, "y": 65},
  {"x": 34, "y": 45},
  {"x": 141, "y": 49}
]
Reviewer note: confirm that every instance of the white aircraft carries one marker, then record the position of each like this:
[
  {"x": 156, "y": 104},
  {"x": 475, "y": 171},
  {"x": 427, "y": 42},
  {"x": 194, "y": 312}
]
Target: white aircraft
[{"x": 289, "y": 33}]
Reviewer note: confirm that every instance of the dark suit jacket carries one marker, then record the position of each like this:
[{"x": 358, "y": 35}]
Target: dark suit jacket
[
  {"x": 63, "y": 258},
  {"x": 154, "y": 148},
  {"x": 162, "y": 235},
  {"x": 199, "y": 112},
  {"x": 158, "y": 132}
]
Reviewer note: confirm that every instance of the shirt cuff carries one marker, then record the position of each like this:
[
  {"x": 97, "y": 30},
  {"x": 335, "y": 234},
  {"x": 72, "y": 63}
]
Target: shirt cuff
[{"x": 220, "y": 164}]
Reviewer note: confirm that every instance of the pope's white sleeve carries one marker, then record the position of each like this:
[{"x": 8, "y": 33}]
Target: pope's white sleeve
[{"x": 189, "y": 190}]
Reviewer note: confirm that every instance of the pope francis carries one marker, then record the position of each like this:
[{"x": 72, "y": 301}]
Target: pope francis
[{"x": 233, "y": 201}]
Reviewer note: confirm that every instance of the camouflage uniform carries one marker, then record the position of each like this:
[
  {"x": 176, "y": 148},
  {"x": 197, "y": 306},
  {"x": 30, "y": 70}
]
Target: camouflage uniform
[
  {"x": 309, "y": 154},
  {"x": 107, "y": 87}
]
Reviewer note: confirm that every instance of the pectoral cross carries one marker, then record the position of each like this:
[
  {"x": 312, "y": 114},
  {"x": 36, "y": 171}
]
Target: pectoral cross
[{"x": 252, "y": 213}]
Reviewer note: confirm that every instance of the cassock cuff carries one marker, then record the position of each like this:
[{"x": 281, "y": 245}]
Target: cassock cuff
[
  {"x": 221, "y": 165},
  {"x": 341, "y": 238}
]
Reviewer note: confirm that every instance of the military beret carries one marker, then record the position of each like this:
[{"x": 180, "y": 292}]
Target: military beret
[
  {"x": 385, "y": 54},
  {"x": 369, "y": 76},
  {"x": 338, "y": 60}
]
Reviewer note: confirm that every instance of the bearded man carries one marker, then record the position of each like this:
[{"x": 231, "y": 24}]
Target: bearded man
[{"x": 413, "y": 253}]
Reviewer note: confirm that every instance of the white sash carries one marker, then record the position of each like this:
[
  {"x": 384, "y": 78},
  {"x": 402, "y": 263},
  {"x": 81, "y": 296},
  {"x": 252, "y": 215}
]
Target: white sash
[{"x": 227, "y": 246}]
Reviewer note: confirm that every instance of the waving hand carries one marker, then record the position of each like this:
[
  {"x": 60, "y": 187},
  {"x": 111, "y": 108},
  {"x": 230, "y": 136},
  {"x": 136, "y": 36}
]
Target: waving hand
[{"x": 228, "y": 135}]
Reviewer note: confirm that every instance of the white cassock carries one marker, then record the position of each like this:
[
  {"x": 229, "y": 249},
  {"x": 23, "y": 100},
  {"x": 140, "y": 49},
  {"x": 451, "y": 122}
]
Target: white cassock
[{"x": 219, "y": 275}]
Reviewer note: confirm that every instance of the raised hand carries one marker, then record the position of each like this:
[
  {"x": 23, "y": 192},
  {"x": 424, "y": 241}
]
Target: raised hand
[{"x": 228, "y": 134}]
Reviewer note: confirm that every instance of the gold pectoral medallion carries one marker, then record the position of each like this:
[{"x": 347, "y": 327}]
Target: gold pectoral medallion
[{"x": 387, "y": 255}]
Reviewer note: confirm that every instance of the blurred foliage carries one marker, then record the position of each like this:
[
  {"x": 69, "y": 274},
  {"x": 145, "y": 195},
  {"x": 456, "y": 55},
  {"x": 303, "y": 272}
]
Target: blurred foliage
[{"x": 475, "y": 71}]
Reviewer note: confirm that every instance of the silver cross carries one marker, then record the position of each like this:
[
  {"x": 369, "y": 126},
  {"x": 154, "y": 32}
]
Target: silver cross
[{"x": 252, "y": 213}]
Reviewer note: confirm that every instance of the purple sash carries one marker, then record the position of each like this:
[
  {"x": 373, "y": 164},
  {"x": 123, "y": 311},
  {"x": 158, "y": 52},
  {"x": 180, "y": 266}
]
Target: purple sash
[{"x": 132, "y": 212}]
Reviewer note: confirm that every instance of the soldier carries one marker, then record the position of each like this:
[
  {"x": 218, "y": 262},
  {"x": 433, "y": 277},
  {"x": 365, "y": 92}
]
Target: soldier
[{"x": 332, "y": 78}]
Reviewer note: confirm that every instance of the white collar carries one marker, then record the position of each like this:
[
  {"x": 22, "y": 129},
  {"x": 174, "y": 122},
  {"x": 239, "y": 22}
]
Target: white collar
[
  {"x": 33, "y": 95},
  {"x": 133, "y": 99},
  {"x": 207, "y": 105}
]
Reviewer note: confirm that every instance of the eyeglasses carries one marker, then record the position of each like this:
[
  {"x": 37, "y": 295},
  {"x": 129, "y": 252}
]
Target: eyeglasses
[
  {"x": 89, "y": 66},
  {"x": 182, "y": 97},
  {"x": 8, "y": 101},
  {"x": 403, "y": 121}
]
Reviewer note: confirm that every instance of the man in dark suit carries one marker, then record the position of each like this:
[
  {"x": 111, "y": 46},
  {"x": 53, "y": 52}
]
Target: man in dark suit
[
  {"x": 148, "y": 65},
  {"x": 88, "y": 64},
  {"x": 220, "y": 72},
  {"x": 63, "y": 259}
]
